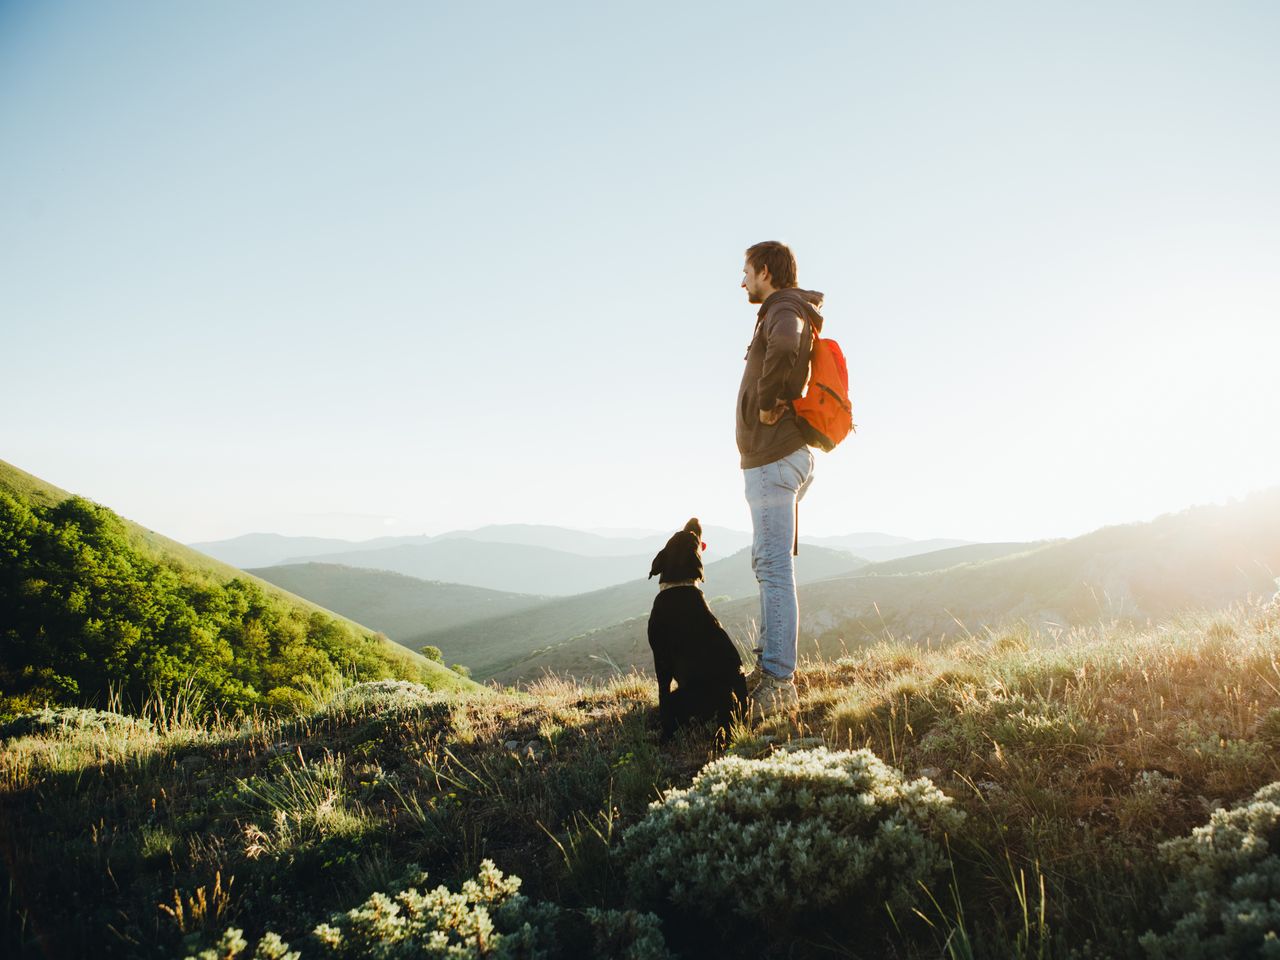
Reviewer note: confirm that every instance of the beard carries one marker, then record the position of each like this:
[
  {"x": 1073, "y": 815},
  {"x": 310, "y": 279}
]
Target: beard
[{"x": 754, "y": 297}]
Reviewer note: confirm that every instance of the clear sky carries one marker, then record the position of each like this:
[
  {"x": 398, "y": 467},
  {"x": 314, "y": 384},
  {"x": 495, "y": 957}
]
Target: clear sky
[{"x": 367, "y": 268}]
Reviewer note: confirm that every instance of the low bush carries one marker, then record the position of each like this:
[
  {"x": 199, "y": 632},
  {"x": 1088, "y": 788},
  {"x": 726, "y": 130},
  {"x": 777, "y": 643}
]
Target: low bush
[
  {"x": 1030, "y": 728},
  {"x": 1224, "y": 896},
  {"x": 378, "y": 696},
  {"x": 64, "y": 720},
  {"x": 786, "y": 839},
  {"x": 488, "y": 918}
]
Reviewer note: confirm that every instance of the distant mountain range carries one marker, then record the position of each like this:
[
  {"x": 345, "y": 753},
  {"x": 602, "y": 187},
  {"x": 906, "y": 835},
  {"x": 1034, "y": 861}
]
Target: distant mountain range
[
  {"x": 509, "y": 567},
  {"x": 488, "y": 629},
  {"x": 524, "y": 558},
  {"x": 400, "y": 606}
]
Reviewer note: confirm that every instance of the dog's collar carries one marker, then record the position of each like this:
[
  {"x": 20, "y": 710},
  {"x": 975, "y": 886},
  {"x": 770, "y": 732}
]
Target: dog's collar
[{"x": 677, "y": 583}]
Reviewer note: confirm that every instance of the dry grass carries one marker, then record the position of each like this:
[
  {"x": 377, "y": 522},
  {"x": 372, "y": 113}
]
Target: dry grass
[{"x": 1074, "y": 754}]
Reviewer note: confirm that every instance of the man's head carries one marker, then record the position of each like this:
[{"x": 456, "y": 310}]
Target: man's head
[{"x": 770, "y": 266}]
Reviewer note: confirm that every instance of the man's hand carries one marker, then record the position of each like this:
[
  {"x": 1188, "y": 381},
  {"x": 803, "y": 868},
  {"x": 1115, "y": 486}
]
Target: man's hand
[{"x": 770, "y": 417}]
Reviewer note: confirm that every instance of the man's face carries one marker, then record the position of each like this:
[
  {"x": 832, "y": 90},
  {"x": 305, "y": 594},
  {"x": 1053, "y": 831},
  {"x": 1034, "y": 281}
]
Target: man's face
[{"x": 755, "y": 283}]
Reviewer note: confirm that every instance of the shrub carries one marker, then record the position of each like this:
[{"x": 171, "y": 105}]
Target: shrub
[
  {"x": 488, "y": 918},
  {"x": 66, "y": 720},
  {"x": 1147, "y": 804},
  {"x": 287, "y": 701},
  {"x": 1029, "y": 728},
  {"x": 781, "y": 839},
  {"x": 1224, "y": 896},
  {"x": 380, "y": 696}
]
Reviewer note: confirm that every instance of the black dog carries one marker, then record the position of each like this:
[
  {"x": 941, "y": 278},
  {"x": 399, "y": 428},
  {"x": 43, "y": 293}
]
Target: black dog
[{"x": 689, "y": 645}]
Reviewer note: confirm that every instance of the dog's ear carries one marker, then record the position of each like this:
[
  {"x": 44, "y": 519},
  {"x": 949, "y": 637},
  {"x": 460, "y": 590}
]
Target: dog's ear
[
  {"x": 694, "y": 527},
  {"x": 658, "y": 562}
]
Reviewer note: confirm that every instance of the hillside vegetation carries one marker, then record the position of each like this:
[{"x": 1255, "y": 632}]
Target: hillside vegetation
[
  {"x": 1103, "y": 792},
  {"x": 92, "y": 606},
  {"x": 510, "y": 567}
]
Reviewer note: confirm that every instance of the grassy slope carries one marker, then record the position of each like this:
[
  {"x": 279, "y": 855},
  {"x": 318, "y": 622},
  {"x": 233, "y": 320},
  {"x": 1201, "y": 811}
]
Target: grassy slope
[
  {"x": 1051, "y": 744},
  {"x": 29, "y": 488},
  {"x": 1201, "y": 558},
  {"x": 491, "y": 647}
]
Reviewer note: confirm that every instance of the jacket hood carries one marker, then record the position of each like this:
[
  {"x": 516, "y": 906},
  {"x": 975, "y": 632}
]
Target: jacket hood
[{"x": 808, "y": 302}]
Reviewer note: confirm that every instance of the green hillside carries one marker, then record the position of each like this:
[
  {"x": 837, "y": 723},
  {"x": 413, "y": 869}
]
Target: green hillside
[
  {"x": 1201, "y": 558},
  {"x": 490, "y": 646},
  {"x": 93, "y": 605}
]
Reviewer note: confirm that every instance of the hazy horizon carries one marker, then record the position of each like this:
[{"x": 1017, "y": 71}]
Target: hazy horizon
[
  {"x": 640, "y": 533},
  {"x": 605, "y": 532}
]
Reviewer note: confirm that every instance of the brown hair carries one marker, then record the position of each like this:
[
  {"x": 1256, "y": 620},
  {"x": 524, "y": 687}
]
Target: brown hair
[{"x": 779, "y": 259}]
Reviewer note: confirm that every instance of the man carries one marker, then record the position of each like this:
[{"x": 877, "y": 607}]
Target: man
[{"x": 776, "y": 462}]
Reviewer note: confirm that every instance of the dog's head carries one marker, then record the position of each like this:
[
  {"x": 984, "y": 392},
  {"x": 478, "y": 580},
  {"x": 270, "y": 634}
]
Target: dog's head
[{"x": 681, "y": 558}]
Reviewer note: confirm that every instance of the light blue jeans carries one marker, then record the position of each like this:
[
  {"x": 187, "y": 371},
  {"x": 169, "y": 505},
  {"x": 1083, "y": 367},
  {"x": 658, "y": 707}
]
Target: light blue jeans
[{"x": 772, "y": 493}]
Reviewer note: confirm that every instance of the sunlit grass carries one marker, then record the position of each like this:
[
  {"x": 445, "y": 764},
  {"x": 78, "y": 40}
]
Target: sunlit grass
[{"x": 1073, "y": 753}]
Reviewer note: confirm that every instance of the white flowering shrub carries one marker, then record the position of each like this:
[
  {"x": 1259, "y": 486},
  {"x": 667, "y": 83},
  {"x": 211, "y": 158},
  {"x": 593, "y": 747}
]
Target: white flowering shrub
[
  {"x": 1224, "y": 896},
  {"x": 378, "y": 696},
  {"x": 69, "y": 720},
  {"x": 488, "y": 918},
  {"x": 436, "y": 923},
  {"x": 233, "y": 944},
  {"x": 799, "y": 833}
]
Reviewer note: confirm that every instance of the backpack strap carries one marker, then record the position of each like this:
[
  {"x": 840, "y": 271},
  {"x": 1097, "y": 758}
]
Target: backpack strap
[{"x": 813, "y": 342}]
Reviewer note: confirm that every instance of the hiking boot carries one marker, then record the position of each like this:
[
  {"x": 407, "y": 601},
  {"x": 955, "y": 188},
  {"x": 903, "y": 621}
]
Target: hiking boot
[
  {"x": 757, "y": 672},
  {"x": 773, "y": 695}
]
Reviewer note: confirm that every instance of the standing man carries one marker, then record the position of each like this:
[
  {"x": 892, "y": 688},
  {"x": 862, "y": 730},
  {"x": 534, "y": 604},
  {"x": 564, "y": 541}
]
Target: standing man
[{"x": 776, "y": 462}]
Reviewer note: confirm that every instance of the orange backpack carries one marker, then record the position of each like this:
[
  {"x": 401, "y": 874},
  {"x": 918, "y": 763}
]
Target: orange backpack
[{"x": 824, "y": 414}]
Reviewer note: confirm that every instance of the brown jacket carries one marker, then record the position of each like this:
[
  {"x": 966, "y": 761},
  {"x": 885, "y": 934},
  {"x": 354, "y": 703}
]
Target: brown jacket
[{"x": 777, "y": 369}]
